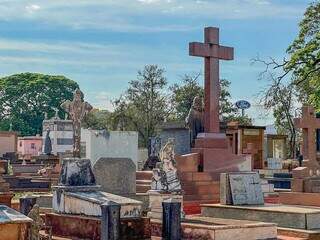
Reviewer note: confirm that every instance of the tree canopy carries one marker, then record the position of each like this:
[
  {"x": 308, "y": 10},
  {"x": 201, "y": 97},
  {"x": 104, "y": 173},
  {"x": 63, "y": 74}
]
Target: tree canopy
[{"x": 26, "y": 97}]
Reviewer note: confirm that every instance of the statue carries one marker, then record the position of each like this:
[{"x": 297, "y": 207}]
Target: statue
[
  {"x": 154, "y": 146},
  {"x": 47, "y": 143},
  {"x": 195, "y": 118},
  {"x": 77, "y": 110},
  {"x": 165, "y": 177},
  {"x": 37, "y": 223}
]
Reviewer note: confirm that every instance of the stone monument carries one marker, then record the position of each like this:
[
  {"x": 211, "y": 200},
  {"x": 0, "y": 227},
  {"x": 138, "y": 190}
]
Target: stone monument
[
  {"x": 77, "y": 192},
  {"x": 154, "y": 146},
  {"x": 211, "y": 145},
  {"x": 77, "y": 110},
  {"x": 195, "y": 118},
  {"x": 5, "y": 193},
  {"x": 165, "y": 182},
  {"x": 47, "y": 143}
]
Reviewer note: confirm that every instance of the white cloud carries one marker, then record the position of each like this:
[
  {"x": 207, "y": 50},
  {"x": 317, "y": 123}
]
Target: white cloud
[
  {"x": 124, "y": 15},
  {"x": 32, "y": 8}
]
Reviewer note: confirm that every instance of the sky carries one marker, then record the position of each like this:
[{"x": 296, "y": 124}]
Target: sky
[{"x": 102, "y": 44}]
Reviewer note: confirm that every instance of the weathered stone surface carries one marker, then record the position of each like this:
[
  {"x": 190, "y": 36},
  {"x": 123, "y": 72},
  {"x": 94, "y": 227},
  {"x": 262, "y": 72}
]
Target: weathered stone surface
[
  {"x": 155, "y": 202},
  {"x": 165, "y": 177},
  {"x": 284, "y": 215},
  {"x": 116, "y": 175},
  {"x": 246, "y": 189},
  {"x": 198, "y": 227},
  {"x": 76, "y": 172},
  {"x": 89, "y": 202},
  {"x": 77, "y": 110}
]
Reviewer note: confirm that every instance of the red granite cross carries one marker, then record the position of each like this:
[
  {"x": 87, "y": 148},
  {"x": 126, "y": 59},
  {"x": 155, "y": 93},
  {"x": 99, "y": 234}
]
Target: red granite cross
[
  {"x": 212, "y": 53},
  {"x": 309, "y": 124}
]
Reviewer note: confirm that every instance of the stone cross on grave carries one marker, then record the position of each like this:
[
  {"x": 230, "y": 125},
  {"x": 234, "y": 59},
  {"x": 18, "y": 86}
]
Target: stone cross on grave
[
  {"x": 77, "y": 110},
  {"x": 309, "y": 124},
  {"x": 212, "y": 53}
]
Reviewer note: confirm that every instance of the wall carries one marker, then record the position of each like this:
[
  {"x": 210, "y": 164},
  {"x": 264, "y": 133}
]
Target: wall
[
  {"x": 8, "y": 142},
  {"x": 24, "y": 146},
  {"x": 114, "y": 144}
]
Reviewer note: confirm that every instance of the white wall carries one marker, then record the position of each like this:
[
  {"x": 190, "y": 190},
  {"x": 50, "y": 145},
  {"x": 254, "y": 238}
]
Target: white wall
[{"x": 100, "y": 143}]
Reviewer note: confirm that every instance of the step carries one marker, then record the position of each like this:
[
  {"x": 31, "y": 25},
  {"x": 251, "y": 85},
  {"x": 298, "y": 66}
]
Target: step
[
  {"x": 142, "y": 188},
  {"x": 202, "y": 189},
  {"x": 201, "y": 183},
  {"x": 144, "y": 175},
  {"x": 144, "y": 182},
  {"x": 196, "y": 197}
]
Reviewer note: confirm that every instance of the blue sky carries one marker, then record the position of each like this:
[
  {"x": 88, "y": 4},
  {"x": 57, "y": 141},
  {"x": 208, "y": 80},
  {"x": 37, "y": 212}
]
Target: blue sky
[{"x": 102, "y": 44}]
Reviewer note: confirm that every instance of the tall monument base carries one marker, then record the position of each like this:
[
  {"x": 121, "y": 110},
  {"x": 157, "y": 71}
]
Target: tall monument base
[
  {"x": 200, "y": 171},
  {"x": 216, "y": 156}
]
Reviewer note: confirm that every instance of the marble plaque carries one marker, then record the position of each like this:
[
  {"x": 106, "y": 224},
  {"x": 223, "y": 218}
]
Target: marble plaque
[{"x": 246, "y": 189}]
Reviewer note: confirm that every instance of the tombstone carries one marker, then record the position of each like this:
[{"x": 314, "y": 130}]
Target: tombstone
[
  {"x": 165, "y": 177},
  {"x": 77, "y": 110},
  {"x": 241, "y": 189},
  {"x": 116, "y": 175},
  {"x": 165, "y": 182},
  {"x": 180, "y": 133},
  {"x": 77, "y": 188},
  {"x": 154, "y": 147}
]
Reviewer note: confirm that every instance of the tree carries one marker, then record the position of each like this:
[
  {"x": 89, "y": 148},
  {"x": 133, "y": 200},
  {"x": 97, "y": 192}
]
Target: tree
[
  {"x": 144, "y": 106},
  {"x": 183, "y": 95},
  {"x": 98, "y": 120},
  {"x": 26, "y": 97}
]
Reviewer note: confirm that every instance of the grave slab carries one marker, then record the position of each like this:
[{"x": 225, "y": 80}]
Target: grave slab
[
  {"x": 13, "y": 225},
  {"x": 89, "y": 203},
  {"x": 198, "y": 227},
  {"x": 300, "y": 198},
  {"x": 287, "y": 216}
]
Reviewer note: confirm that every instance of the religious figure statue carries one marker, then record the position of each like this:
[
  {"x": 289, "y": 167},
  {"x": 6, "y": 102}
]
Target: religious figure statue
[
  {"x": 165, "y": 177},
  {"x": 37, "y": 223},
  {"x": 195, "y": 118},
  {"x": 47, "y": 143},
  {"x": 154, "y": 146},
  {"x": 77, "y": 110}
]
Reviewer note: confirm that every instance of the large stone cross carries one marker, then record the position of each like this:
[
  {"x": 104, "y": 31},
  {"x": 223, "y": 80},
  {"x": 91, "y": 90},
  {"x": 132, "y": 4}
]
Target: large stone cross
[
  {"x": 212, "y": 53},
  {"x": 77, "y": 110},
  {"x": 309, "y": 124}
]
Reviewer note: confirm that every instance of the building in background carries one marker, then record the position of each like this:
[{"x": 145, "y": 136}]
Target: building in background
[
  {"x": 61, "y": 134},
  {"x": 8, "y": 142},
  {"x": 30, "y": 146}
]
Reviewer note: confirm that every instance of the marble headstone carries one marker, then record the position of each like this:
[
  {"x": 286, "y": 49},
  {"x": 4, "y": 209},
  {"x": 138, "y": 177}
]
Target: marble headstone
[
  {"x": 116, "y": 175},
  {"x": 165, "y": 177},
  {"x": 246, "y": 189}
]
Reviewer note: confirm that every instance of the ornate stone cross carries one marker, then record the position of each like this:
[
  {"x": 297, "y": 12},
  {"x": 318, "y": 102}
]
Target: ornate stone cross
[
  {"x": 308, "y": 123},
  {"x": 77, "y": 110},
  {"x": 212, "y": 53}
]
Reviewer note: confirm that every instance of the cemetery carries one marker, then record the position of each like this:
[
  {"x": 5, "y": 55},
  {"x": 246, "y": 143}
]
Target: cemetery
[{"x": 139, "y": 174}]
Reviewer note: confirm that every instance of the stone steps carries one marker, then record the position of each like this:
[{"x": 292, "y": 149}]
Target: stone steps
[
  {"x": 143, "y": 181},
  {"x": 140, "y": 188}
]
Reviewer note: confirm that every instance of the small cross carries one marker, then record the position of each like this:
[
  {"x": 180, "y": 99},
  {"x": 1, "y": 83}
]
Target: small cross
[{"x": 212, "y": 53}]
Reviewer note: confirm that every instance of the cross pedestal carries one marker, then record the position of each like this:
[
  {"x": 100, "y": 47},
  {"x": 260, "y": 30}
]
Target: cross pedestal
[{"x": 213, "y": 145}]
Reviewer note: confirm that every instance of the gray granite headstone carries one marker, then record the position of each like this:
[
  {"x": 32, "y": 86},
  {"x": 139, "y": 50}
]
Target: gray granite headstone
[
  {"x": 116, "y": 175},
  {"x": 246, "y": 189}
]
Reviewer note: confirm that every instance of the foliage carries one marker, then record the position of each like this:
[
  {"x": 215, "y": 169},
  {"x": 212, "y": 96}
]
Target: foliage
[
  {"x": 26, "y": 97},
  {"x": 97, "y": 119},
  {"x": 183, "y": 95},
  {"x": 144, "y": 106}
]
